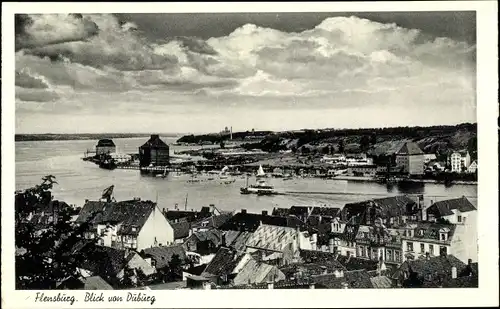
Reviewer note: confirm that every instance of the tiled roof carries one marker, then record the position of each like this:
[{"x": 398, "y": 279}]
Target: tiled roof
[
  {"x": 163, "y": 255},
  {"x": 325, "y": 211},
  {"x": 181, "y": 229},
  {"x": 381, "y": 282},
  {"x": 275, "y": 238},
  {"x": 281, "y": 212},
  {"x": 250, "y": 222},
  {"x": 223, "y": 263},
  {"x": 237, "y": 239},
  {"x": 103, "y": 261},
  {"x": 155, "y": 142},
  {"x": 176, "y": 285},
  {"x": 434, "y": 266},
  {"x": 174, "y": 215},
  {"x": 410, "y": 148},
  {"x": 387, "y": 207},
  {"x": 355, "y": 263},
  {"x": 95, "y": 283},
  {"x": 132, "y": 214},
  {"x": 444, "y": 208},
  {"x": 214, "y": 221},
  {"x": 256, "y": 272},
  {"x": 356, "y": 279},
  {"x": 321, "y": 258},
  {"x": 213, "y": 235}
]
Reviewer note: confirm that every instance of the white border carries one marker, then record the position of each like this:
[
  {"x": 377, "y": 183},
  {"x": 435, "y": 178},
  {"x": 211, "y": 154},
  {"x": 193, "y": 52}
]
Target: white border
[{"x": 487, "y": 113}]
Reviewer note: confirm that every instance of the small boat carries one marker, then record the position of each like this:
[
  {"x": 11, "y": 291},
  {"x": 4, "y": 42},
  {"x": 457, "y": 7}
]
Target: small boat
[
  {"x": 162, "y": 175},
  {"x": 108, "y": 164},
  {"x": 260, "y": 172}
]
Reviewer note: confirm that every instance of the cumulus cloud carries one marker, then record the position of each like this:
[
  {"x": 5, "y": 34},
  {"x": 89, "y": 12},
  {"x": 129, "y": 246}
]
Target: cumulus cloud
[
  {"x": 341, "y": 55},
  {"x": 45, "y": 29}
]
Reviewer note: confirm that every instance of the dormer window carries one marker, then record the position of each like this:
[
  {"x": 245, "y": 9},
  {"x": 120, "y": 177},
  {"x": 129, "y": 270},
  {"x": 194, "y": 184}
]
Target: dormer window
[
  {"x": 134, "y": 229},
  {"x": 421, "y": 233},
  {"x": 443, "y": 234}
]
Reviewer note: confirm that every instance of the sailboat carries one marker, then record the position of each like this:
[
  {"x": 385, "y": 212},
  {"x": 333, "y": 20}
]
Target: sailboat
[{"x": 260, "y": 172}]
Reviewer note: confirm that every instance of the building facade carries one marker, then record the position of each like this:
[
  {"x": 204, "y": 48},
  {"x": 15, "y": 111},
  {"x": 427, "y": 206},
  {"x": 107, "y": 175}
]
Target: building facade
[
  {"x": 459, "y": 161},
  {"x": 410, "y": 159},
  {"x": 105, "y": 146},
  {"x": 154, "y": 152}
]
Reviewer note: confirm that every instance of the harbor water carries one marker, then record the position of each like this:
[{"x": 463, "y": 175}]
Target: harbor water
[{"x": 79, "y": 180}]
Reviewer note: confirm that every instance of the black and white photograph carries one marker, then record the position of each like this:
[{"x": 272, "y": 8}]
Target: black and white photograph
[{"x": 245, "y": 150}]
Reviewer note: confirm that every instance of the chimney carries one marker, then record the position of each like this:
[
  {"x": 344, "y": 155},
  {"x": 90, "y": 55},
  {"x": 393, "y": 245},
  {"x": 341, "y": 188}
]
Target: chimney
[
  {"x": 270, "y": 285},
  {"x": 454, "y": 272},
  {"x": 311, "y": 286},
  {"x": 86, "y": 201},
  {"x": 243, "y": 211},
  {"x": 330, "y": 245},
  {"x": 469, "y": 262},
  {"x": 264, "y": 212}
]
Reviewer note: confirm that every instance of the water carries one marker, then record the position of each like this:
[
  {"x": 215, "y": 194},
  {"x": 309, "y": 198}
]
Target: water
[{"x": 79, "y": 180}]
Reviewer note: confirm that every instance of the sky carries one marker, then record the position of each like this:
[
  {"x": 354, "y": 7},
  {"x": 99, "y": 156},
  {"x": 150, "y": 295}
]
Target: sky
[{"x": 181, "y": 73}]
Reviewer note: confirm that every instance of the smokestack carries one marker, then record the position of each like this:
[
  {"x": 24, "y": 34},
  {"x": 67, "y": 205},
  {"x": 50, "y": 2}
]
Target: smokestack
[{"x": 454, "y": 272}]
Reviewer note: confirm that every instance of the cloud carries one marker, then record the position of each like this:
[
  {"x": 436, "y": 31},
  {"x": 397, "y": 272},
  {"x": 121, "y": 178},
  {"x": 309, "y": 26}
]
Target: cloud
[
  {"x": 36, "y": 95},
  {"x": 340, "y": 62},
  {"x": 45, "y": 29}
]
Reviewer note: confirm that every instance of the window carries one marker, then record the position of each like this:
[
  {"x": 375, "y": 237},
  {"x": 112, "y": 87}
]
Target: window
[
  {"x": 443, "y": 250},
  {"x": 459, "y": 218},
  {"x": 421, "y": 232},
  {"x": 422, "y": 248},
  {"x": 409, "y": 246},
  {"x": 431, "y": 249},
  {"x": 389, "y": 255},
  {"x": 443, "y": 236},
  {"x": 397, "y": 256}
]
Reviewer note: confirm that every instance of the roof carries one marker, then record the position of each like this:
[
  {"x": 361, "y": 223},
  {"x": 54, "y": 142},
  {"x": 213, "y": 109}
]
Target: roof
[
  {"x": 381, "y": 282},
  {"x": 444, "y": 208},
  {"x": 237, "y": 239},
  {"x": 168, "y": 286},
  {"x": 103, "y": 261},
  {"x": 282, "y": 212},
  {"x": 355, "y": 263},
  {"x": 325, "y": 211},
  {"x": 173, "y": 215},
  {"x": 430, "y": 230},
  {"x": 214, "y": 221},
  {"x": 321, "y": 258},
  {"x": 249, "y": 222},
  {"x": 356, "y": 279},
  {"x": 155, "y": 142},
  {"x": 181, "y": 229},
  {"x": 105, "y": 143},
  {"x": 410, "y": 148},
  {"x": 163, "y": 255},
  {"x": 95, "y": 283},
  {"x": 223, "y": 263},
  {"x": 275, "y": 238},
  {"x": 388, "y": 207},
  {"x": 433, "y": 266},
  {"x": 213, "y": 235},
  {"x": 255, "y": 272},
  {"x": 131, "y": 214}
]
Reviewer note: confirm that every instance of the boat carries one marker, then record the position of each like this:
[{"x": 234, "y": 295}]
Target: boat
[
  {"x": 260, "y": 172},
  {"x": 108, "y": 164},
  {"x": 261, "y": 187}
]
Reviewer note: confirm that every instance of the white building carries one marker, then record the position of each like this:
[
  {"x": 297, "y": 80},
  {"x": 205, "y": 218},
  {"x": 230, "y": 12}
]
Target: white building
[
  {"x": 472, "y": 167},
  {"x": 131, "y": 224},
  {"x": 459, "y": 161}
]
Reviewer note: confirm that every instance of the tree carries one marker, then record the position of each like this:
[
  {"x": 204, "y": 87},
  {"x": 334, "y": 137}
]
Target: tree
[
  {"x": 373, "y": 138},
  {"x": 341, "y": 146},
  {"x": 44, "y": 259},
  {"x": 364, "y": 143},
  {"x": 175, "y": 267}
]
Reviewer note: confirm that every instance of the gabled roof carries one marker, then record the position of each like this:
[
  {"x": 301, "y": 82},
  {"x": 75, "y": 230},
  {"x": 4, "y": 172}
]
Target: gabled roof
[
  {"x": 223, "y": 263},
  {"x": 214, "y": 221},
  {"x": 163, "y": 255},
  {"x": 105, "y": 143},
  {"x": 275, "y": 238},
  {"x": 155, "y": 142},
  {"x": 381, "y": 282},
  {"x": 131, "y": 214},
  {"x": 433, "y": 266},
  {"x": 321, "y": 258},
  {"x": 250, "y": 222},
  {"x": 104, "y": 261},
  {"x": 256, "y": 272},
  {"x": 444, "y": 208},
  {"x": 212, "y": 235},
  {"x": 173, "y": 215},
  {"x": 356, "y": 279},
  {"x": 354, "y": 263},
  {"x": 325, "y": 211},
  {"x": 388, "y": 207},
  {"x": 95, "y": 283},
  {"x": 410, "y": 148},
  {"x": 237, "y": 240},
  {"x": 430, "y": 230},
  {"x": 281, "y": 212},
  {"x": 181, "y": 229}
]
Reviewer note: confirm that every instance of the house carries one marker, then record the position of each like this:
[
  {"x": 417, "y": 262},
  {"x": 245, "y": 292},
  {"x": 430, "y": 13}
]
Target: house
[
  {"x": 46, "y": 214},
  {"x": 160, "y": 257},
  {"x": 237, "y": 240},
  {"x": 111, "y": 264},
  {"x": 224, "y": 265},
  {"x": 133, "y": 224},
  {"x": 204, "y": 242},
  {"x": 81, "y": 283},
  {"x": 280, "y": 244},
  {"x": 215, "y": 221},
  {"x": 454, "y": 211},
  {"x": 175, "y": 215},
  {"x": 343, "y": 237},
  {"x": 392, "y": 210},
  {"x": 472, "y": 167},
  {"x": 362, "y": 170},
  {"x": 434, "y": 239},
  {"x": 459, "y": 161},
  {"x": 254, "y": 272},
  {"x": 410, "y": 159},
  {"x": 431, "y": 272},
  {"x": 105, "y": 146},
  {"x": 181, "y": 231},
  {"x": 154, "y": 152},
  {"x": 379, "y": 243},
  {"x": 428, "y": 157},
  {"x": 249, "y": 222}
]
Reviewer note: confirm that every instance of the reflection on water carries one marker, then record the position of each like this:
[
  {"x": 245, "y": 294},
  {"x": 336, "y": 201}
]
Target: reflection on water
[{"x": 79, "y": 180}]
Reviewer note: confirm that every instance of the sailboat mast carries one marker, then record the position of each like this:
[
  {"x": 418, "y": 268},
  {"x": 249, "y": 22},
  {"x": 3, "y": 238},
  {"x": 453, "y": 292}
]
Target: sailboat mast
[{"x": 186, "y": 203}]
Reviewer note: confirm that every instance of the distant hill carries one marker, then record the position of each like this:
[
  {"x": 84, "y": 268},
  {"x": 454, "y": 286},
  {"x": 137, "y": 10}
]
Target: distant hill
[
  {"x": 440, "y": 140},
  {"x": 79, "y": 136}
]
